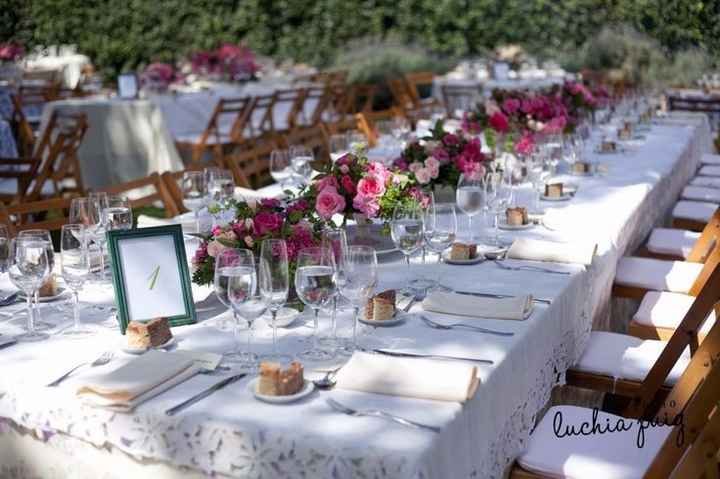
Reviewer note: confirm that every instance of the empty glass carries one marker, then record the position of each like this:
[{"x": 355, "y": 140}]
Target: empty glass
[
  {"x": 249, "y": 303},
  {"x": 43, "y": 236},
  {"x": 4, "y": 248},
  {"x": 300, "y": 159},
  {"x": 357, "y": 142},
  {"x": 280, "y": 168},
  {"x": 28, "y": 270},
  {"x": 339, "y": 146},
  {"x": 359, "y": 278},
  {"x": 440, "y": 228},
  {"x": 406, "y": 229},
  {"x": 194, "y": 193},
  {"x": 315, "y": 286},
  {"x": 75, "y": 268},
  {"x": 87, "y": 212},
  {"x": 336, "y": 240},
  {"x": 469, "y": 197},
  {"x": 275, "y": 286},
  {"x": 499, "y": 193}
]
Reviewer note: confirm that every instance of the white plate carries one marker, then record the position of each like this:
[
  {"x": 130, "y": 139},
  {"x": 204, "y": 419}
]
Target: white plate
[
  {"x": 130, "y": 350},
  {"x": 307, "y": 389},
  {"x": 505, "y": 226},
  {"x": 46, "y": 299},
  {"x": 399, "y": 318},
  {"x": 477, "y": 259},
  {"x": 577, "y": 173},
  {"x": 564, "y": 197}
]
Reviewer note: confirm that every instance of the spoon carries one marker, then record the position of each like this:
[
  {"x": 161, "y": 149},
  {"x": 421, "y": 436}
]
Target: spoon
[{"x": 328, "y": 381}]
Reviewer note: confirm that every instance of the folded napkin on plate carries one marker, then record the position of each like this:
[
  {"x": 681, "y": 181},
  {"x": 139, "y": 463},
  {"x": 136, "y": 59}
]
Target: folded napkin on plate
[
  {"x": 538, "y": 250},
  {"x": 409, "y": 377},
  {"x": 144, "y": 221},
  {"x": 139, "y": 380},
  {"x": 518, "y": 307}
]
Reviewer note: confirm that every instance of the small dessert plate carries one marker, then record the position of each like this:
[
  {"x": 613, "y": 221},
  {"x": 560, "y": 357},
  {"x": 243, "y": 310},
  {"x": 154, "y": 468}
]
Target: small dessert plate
[
  {"x": 47, "y": 299},
  {"x": 394, "y": 321},
  {"x": 507, "y": 227},
  {"x": 307, "y": 389},
  {"x": 564, "y": 197},
  {"x": 584, "y": 173},
  {"x": 479, "y": 258},
  {"x": 285, "y": 317},
  {"x": 169, "y": 343}
]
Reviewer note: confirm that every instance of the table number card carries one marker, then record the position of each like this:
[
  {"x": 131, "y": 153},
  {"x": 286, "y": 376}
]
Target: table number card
[
  {"x": 150, "y": 275},
  {"x": 128, "y": 86}
]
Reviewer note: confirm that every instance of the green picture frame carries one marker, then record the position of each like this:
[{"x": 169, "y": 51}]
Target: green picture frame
[{"x": 121, "y": 269}]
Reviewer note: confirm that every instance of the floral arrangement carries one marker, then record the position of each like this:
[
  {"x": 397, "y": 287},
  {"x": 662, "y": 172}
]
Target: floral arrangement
[
  {"x": 353, "y": 185},
  {"x": 10, "y": 52},
  {"x": 440, "y": 158},
  {"x": 159, "y": 76},
  {"x": 255, "y": 221},
  {"x": 237, "y": 62}
]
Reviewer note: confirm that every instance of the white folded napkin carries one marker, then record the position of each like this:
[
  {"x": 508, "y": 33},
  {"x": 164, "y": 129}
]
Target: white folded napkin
[
  {"x": 538, "y": 250},
  {"x": 186, "y": 220},
  {"x": 137, "y": 381},
  {"x": 409, "y": 377},
  {"x": 518, "y": 307}
]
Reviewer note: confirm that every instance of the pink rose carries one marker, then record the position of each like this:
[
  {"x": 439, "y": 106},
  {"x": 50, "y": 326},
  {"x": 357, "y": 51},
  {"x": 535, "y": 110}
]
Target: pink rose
[
  {"x": 525, "y": 145},
  {"x": 450, "y": 139},
  {"x": 344, "y": 169},
  {"x": 371, "y": 186},
  {"x": 556, "y": 125},
  {"x": 473, "y": 150},
  {"x": 432, "y": 163},
  {"x": 348, "y": 185},
  {"x": 423, "y": 176},
  {"x": 401, "y": 164},
  {"x": 499, "y": 122},
  {"x": 267, "y": 223},
  {"x": 434, "y": 171},
  {"x": 214, "y": 248},
  {"x": 269, "y": 203},
  {"x": 511, "y": 105},
  {"x": 366, "y": 205},
  {"x": 379, "y": 171},
  {"x": 440, "y": 154},
  {"x": 414, "y": 166},
  {"x": 329, "y": 202},
  {"x": 249, "y": 241},
  {"x": 325, "y": 182}
]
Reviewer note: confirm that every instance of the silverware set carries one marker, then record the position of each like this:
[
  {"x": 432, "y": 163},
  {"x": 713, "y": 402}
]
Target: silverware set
[
  {"x": 205, "y": 393},
  {"x": 470, "y": 327},
  {"x": 527, "y": 267},
  {"x": 501, "y": 296},
  {"x": 380, "y": 414},
  {"x": 104, "y": 358}
]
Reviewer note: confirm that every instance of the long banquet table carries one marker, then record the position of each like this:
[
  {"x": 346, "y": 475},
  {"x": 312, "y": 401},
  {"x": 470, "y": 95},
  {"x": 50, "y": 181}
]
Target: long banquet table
[{"x": 48, "y": 432}]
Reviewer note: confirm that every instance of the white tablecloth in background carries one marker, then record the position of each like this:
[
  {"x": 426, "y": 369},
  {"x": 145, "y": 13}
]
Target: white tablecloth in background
[
  {"x": 230, "y": 433},
  {"x": 70, "y": 66},
  {"x": 8, "y": 148},
  {"x": 126, "y": 140}
]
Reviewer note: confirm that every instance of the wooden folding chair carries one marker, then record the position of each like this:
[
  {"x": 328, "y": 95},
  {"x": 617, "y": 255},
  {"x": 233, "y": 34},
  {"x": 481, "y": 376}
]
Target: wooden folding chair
[
  {"x": 172, "y": 181},
  {"x": 644, "y": 395},
  {"x": 421, "y": 81},
  {"x": 148, "y": 191},
  {"x": 360, "y": 98},
  {"x": 701, "y": 249},
  {"x": 315, "y": 139},
  {"x": 22, "y": 128},
  {"x": 291, "y": 100},
  {"x": 402, "y": 98},
  {"x": 224, "y": 129},
  {"x": 459, "y": 97},
  {"x": 50, "y": 214},
  {"x": 317, "y": 101},
  {"x": 261, "y": 124},
  {"x": 251, "y": 168},
  {"x": 366, "y": 122}
]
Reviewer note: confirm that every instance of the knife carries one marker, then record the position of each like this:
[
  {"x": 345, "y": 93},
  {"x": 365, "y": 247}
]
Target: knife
[
  {"x": 202, "y": 395},
  {"x": 402, "y": 354},
  {"x": 496, "y": 295}
]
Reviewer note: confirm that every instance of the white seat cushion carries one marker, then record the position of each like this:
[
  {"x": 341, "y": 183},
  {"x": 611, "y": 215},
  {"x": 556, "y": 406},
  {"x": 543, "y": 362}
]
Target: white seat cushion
[
  {"x": 194, "y": 138},
  {"x": 623, "y": 356},
  {"x": 657, "y": 274},
  {"x": 707, "y": 181},
  {"x": 672, "y": 241},
  {"x": 710, "y": 159},
  {"x": 612, "y": 455},
  {"x": 701, "y": 193},
  {"x": 667, "y": 310},
  {"x": 709, "y": 170},
  {"x": 694, "y": 210}
]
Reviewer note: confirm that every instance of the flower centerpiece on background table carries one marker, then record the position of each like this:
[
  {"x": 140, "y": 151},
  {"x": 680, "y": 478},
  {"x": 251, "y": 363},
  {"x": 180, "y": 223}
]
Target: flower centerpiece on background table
[
  {"x": 158, "y": 77},
  {"x": 11, "y": 52},
  {"x": 228, "y": 62}
]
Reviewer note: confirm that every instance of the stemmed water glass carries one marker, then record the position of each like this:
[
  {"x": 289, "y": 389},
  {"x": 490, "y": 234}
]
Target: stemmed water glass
[
  {"x": 339, "y": 146},
  {"x": 357, "y": 141},
  {"x": 300, "y": 159},
  {"x": 28, "y": 270},
  {"x": 536, "y": 175},
  {"x": 75, "y": 267},
  {"x": 499, "y": 193},
  {"x": 194, "y": 193},
  {"x": 220, "y": 185},
  {"x": 359, "y": 278},
  {"x": 101, "y": 200},
  {"x": 406, "y": 229},
  {"x": 118, "y": 214},
  {"x": 247, "y": 301},
  {"x": 336, "y": 240},
  {"x": 44, "y": 237},
  {"x": 233, "y": 264},
  {"x": 280, "y": 167},
  {"x": 274, "y": 286},
  {"x": 440, "y": 228},
  {"x": 315, "y": 286},
  {"x": 87, "y": 212},
  {"x": 469, "y": 198}
]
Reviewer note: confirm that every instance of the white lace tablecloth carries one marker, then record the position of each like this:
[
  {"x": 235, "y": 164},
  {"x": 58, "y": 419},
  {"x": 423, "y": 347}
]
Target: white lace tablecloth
[{"x": 231, "y": 434}]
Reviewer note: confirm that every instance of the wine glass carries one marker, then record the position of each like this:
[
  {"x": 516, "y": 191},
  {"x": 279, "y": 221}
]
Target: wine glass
[
  {"x": 43, "y": 236},
  {"x": 359, "y": 278},
  {"x": 338, "y": 146},
  {"x": 118, "y": 213},
  {"x": 300, "y": 159},
  {"x": 231, "y": 264},
  {"x": 221, "y": 186},
  {"x": 469, "y": 197},
  {"x": 274, "y": 285},
  {"x": 194, "y": 193},
  {"x": 499, "y": 195},
  {"x": 406, "y": 228},
  {"x": 357, "y": 141},
  {"x": 249, "y": 303},
  {"x": 86, "y": 211},
  {"x": 335, "y": 239},
  {"x": 315, "y": 286},
  {"x": 440, "y": 228},
  {"x": 75, "y": 267},
  {"x": 536, "y": 175},
  {"x": 280, "y": 167},
  {"x": 4, "y": 248},
  {"x": 28, "y": 270}
]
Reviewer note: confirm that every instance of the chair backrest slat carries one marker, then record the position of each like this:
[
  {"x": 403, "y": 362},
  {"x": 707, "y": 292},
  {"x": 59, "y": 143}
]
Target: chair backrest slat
[{"x": 142, "y": 195}]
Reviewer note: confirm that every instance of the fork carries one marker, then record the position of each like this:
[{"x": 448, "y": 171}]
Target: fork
[
  {"x": 527, "y": 267},
  {"x": 479, "y": 329},
  {"x": 377, "y": 413},
  {"x": 104, "y": 358}
]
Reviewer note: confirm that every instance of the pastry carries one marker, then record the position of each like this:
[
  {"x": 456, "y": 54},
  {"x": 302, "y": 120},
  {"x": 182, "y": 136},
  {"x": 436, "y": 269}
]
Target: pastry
[
  {"x": 381, "y": 307},
  {"x": 517, "y": 216},
  {"x": 148, "y": 334},
  {"x": 463, "y": 251},
  {"x": 581, "y": 167},
  {"x": 554, "y": 190},
  {"x": 276, "y": 381},
  {"x": 625, "y": 133},
  {"x": 608, "y": 146},
  {"x": 49, "y": 288}
]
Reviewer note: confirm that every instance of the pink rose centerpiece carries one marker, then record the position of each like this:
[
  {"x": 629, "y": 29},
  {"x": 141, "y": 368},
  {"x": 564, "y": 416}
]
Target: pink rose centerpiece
[
  {"x": 11, "y": 52},
  {"x": 159, "y": 76},
  {"x": 228, "y": 61}
]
